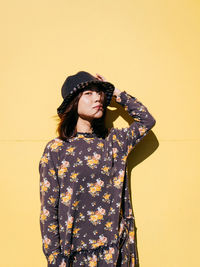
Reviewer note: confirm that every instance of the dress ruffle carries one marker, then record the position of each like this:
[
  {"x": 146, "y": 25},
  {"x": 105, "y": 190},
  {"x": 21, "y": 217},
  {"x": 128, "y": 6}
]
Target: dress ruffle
[{"x": 122, "y": 252}]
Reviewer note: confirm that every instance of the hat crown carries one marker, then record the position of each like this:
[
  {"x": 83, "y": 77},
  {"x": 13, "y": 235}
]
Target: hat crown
[{"x": 72, "y": 81}]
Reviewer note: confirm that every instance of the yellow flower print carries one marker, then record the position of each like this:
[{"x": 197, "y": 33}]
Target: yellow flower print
[
  {"x": 63, "y": 168},
  {"x": 108, "y": 226},
  {"x": 97, "y": 216},
  {"x": 108, "y": 255},
  {"x": 115, "y": 150},
  {"x": 124, "y": 158},
  {"x": 44, "y": 214},
  {"x": 131, "y": 236},
  {"x": 75, "y": 204},
  {"x": 82, "y": 136},
  {"x": 46, "y": 242},
  {"x": 94, "y": 188},
  {"x": 90, "y": 161},
  {"x": 93, "y": 161},
  {"x": 92, "y": 261},
  {"x": 61, "y": 172},
  {"x": 45, "y": 185},
  {"x": 66, "y": 197},
  {"x": 118, "y": 181},
  {"x": 111, "y": 211},
  {"x": 106, "y": 197},
  {"x": 69, "y": 222},
  {"x": 44, "y": 159},
  {"x": 142, "y": 130},
  {"x": 116, "y": 139},
  {"x": 132, "y": 260},
  {"x": 67, "y": 252},
  {"x": 53, "y": 228},
  {"x": 81, "y": 189},
  {"x": 129, "y": 149},
  {"x": 83, "y": 244},
  {"x": 93, "y": 219},
  {"x": 100, "y": 242},
  {"x": 70, "y": 150},
  {"x": 105, "y": 170},
  {"x": 75, "y": 232},
  {"x": 52, "y": 172},
  {"x": 95, "y": 244},
  {"x": 52, "y": 257},
  {"x": 52, "y": 201},
  {"x": 56, "y": 144},
  {"x": 73, "y": 177},
  {"x": 100, "y": 145}
]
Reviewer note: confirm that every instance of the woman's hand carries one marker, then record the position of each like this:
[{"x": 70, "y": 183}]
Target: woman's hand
[{"x": 101, "y": 78}]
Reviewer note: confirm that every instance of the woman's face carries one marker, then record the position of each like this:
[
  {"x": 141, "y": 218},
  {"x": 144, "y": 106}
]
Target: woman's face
[{"x": 90, "y": 105}]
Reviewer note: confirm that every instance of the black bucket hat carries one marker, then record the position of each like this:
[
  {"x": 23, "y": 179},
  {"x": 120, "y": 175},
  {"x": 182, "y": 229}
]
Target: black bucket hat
[{"x": 75, "y": 83}]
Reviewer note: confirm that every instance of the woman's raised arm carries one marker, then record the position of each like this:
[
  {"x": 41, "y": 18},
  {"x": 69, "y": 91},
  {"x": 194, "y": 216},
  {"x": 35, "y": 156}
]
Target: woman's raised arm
[{"x": 143, "y": 121}]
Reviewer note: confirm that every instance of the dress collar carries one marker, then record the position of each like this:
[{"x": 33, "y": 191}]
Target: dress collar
[{"x": 86, "y": 134}]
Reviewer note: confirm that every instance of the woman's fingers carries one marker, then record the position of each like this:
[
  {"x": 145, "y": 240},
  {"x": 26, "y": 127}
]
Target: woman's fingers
[{"x": 100, "y": 77}]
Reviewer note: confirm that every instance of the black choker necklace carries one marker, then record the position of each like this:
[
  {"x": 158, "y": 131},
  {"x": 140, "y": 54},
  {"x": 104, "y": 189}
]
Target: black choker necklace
[{"x": 87, "y": 134}]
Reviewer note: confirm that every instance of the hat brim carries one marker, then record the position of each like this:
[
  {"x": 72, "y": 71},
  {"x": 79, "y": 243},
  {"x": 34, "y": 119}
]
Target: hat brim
[{"x": 107, "y": 87}]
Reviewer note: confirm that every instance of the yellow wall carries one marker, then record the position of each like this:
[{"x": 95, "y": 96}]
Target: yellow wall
[{"x": 149, "y": 48}]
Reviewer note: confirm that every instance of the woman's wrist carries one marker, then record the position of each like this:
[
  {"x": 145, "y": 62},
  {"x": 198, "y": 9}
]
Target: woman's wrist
[{"x": 116, "y": 92}]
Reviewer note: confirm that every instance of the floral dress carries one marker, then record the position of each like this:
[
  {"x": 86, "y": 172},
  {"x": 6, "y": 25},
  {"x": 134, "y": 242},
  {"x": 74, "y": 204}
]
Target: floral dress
[{"x": 86, "y": 218}]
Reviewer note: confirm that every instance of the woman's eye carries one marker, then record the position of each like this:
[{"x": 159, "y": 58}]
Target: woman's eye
[{"x": 91, "y": 93}]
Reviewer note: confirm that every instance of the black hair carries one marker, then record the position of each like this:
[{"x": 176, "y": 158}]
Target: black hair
[{"x": 66, "y": 127}]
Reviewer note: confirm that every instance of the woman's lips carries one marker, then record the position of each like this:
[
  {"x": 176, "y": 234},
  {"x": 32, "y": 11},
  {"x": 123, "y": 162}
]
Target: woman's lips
[{"x": 99, "y": 107}]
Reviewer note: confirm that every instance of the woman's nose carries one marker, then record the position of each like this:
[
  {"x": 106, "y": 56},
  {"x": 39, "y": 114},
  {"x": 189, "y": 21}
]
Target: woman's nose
[{"x": 97, "y": 96}]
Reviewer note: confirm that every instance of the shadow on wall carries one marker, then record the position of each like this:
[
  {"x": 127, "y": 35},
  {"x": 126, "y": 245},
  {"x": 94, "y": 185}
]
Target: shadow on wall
[{"x": 139, "y": 153}]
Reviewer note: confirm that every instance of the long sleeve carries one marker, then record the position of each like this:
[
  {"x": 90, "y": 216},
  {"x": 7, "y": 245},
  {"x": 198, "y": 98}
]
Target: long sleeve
[
  {"x": 128, "y": 137},
  {"x": 49, "y": 199}
]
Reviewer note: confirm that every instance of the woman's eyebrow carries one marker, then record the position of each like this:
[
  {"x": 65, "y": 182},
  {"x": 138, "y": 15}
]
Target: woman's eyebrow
[
  {"x": 94, "y": 89},
  {"x": 88, "y": 90}
]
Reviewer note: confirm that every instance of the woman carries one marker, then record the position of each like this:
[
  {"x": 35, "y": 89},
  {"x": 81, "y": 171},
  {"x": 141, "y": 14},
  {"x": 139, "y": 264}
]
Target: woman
[{"x": 86, "y": 217}]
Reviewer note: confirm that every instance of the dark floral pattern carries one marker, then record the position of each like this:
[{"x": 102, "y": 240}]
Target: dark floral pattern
[{"x": 86, "y": 216}]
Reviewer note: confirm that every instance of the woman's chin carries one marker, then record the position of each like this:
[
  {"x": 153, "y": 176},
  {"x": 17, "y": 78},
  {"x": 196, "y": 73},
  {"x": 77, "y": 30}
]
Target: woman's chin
[{"x": 98, "y": 115}]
